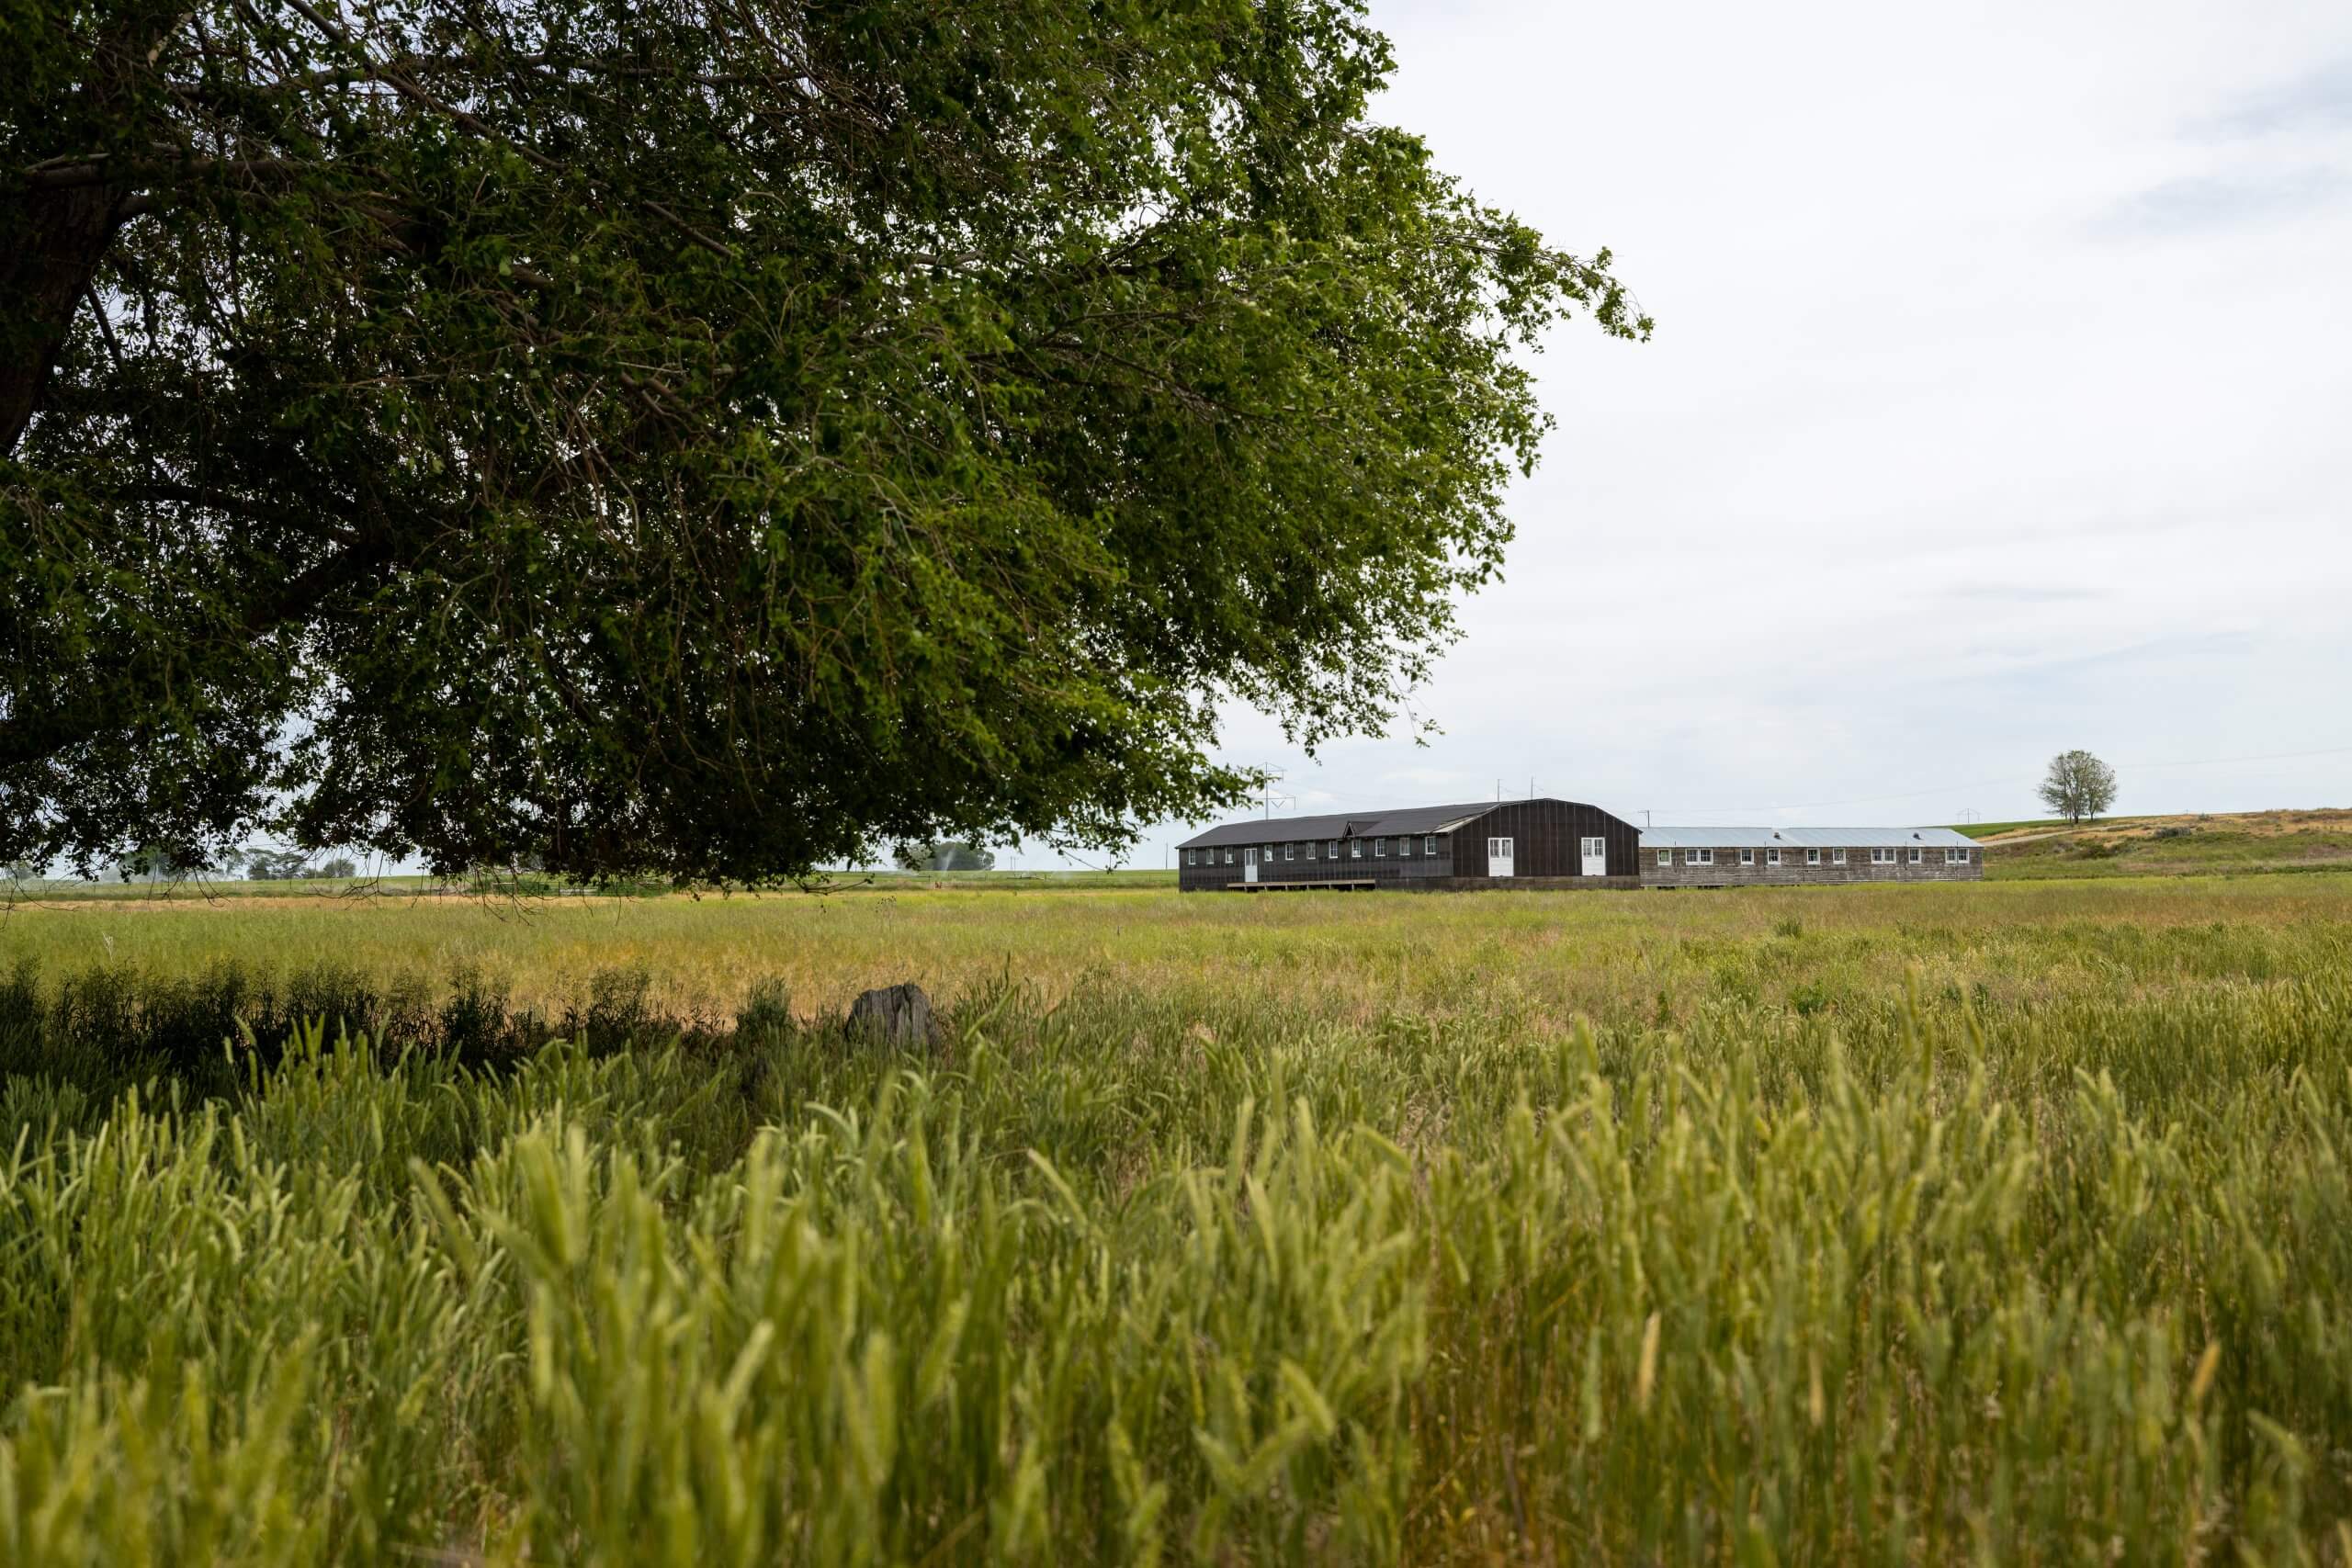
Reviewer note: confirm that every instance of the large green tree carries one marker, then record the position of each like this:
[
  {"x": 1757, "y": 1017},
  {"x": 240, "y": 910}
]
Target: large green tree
[{"x": 721, "y": 436}]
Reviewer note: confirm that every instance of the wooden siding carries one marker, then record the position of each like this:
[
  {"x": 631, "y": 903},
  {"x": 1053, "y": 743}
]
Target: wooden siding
[
  {"x": 1382, "y": 869},
  {"x": 1546, "y": 838},
  {"x": 1793, "y": 871},
  {"x": 1547, "y": 835}
]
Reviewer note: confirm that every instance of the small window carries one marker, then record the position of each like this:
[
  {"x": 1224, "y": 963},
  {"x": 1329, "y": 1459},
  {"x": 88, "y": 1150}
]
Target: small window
[
  {"x": 1748, "y": 857},
  {"x": 1813, "y": 857},
  {"x": 1837, "y": 857},
  {"x": 1665, "y": 857},
  {"x": 1428, "y": 845},
  {"x": 1955, "y": 857},
  {"x": 1229, "y": 855},
  {"x": 1355, "y": 849},
  {"x": 1287, "y": 849},
  {"x": 1772, "y": 857},
  {"x": 1915, "y": 854},
  {"x": 1380, "y": 848},
  {"x": 1883, "y": 856},
  {"x": 1332, "y": 849},
  {"x": 1697, "y": 857},
  {"x": 1405, "y": 847}
]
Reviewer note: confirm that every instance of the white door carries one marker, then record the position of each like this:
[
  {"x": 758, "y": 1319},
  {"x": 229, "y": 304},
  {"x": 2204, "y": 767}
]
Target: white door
[
  {"x": 1596, "y": 857},
  {"x": 1498, "y": 857},
  {"x": 1249, "y": 865}
]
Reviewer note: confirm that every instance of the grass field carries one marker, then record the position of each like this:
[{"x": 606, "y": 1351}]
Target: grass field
[
  {"x": 2000, "y": 1221},
  {"x": 2170, "y": 846}
]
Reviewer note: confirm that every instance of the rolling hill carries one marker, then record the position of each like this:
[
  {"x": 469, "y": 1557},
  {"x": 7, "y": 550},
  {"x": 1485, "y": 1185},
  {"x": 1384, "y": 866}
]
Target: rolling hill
[{"x": 2176, "y": 845}]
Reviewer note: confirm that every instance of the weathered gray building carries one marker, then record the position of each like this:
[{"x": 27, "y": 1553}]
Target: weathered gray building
[
  {"x": 1508, "y": 843},
  {"x": 1738, "y": 857}
]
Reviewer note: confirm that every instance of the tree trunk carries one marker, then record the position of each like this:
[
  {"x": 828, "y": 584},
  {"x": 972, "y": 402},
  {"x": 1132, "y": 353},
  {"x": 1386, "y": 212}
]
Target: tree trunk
[{"x": 51, "y": 244}]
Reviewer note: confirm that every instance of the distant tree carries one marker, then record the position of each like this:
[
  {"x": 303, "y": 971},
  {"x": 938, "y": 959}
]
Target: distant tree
[
  {"x": 950, "y": 855},
  {"x": 2078, "y": 786},
  {"x": 276, "y": 865},
  {"x": 151, "y": 863},
  {"x": 339, "y": 866},
  {"x": 715, "y": 440}
]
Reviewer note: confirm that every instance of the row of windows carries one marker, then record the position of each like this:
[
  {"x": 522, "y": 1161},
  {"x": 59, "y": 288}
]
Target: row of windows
[
  {"x": 1332, "y": 849},
  {"x": 1883, "y": 855}
]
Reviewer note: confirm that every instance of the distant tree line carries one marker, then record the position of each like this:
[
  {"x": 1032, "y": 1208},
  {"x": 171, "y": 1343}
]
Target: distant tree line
[
  {"x": 255, "y": 864},
  {"x": 952, "y": 854}
]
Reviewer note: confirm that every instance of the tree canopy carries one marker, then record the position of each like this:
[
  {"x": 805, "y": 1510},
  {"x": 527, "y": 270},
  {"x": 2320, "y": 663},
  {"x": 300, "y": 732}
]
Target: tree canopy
[
  {"x": 720, "y": 437},
  {"x": 2078, "y": 785}
]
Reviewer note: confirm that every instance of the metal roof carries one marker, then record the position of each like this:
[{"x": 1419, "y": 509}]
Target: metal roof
[
  {"x": 1800, "y": 838},
  {"x": 1403, "y": 821}
]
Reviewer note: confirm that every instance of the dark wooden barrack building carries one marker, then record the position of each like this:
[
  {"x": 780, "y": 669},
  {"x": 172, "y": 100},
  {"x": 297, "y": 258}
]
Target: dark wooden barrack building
[{"x": 1507, "y": 843}]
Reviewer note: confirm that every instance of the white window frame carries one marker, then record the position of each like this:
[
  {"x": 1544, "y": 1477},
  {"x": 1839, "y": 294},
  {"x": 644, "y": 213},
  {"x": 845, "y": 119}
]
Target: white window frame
[
  {"x": 1748, "y": 857},
  {"x": 1503, "y": 849},
  {"x": 1883, "y": 855},
  {"x": 1429, "y": 844},
  {"x": 1228, "y": 854},
  {"x": 1287, "y": 848},
  {"x": 1665, "y": 857},
  {"x": 1812, "y": 857},
  {"x": 1380, "y": 848},
  {"x": 1917, "y": 854},
  {"x": 1355, "y": 849},
  {"x": 1955, "y": 856},
  {"x": 1405, "y": 847},
  {"x": 1837, "y": 857},
  {"x": 1772, "y": 857},
  {"x": 1697, "y": 857}
]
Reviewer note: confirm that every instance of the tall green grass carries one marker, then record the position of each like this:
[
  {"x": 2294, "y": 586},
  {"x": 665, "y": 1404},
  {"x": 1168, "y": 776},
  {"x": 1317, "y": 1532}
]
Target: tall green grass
[{"x": 1765, "y": 1260}]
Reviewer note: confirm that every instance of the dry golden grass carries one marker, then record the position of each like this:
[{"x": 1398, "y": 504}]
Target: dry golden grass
[{"x": 2260, "y": 823}]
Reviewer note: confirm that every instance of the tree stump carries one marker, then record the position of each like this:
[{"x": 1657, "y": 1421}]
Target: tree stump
[{"x": 895, "y": 1015}]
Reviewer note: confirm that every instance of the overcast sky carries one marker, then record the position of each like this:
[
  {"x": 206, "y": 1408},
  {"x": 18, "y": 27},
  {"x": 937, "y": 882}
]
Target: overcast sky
[{"x": 2000, "y": 403}]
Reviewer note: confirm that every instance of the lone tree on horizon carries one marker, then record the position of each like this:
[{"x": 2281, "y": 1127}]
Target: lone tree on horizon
[
  {"x": 718, "y": 440},
  {"x": 2078, "y": 785}
]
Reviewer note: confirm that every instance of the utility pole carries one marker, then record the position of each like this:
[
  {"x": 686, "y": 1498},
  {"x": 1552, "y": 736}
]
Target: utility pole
[{"x": 1645, "y": 815}]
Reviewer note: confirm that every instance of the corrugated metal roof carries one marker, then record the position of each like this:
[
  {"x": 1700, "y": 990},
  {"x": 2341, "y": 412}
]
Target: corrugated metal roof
[
  {"x": 1404, "y": 821},
  {"x": 1800, "y": 838}
]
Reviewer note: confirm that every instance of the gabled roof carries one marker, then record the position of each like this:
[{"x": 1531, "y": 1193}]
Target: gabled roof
[
  {"x": 1403, "y": 821},
  {"x": 1801, "y": 838}
]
